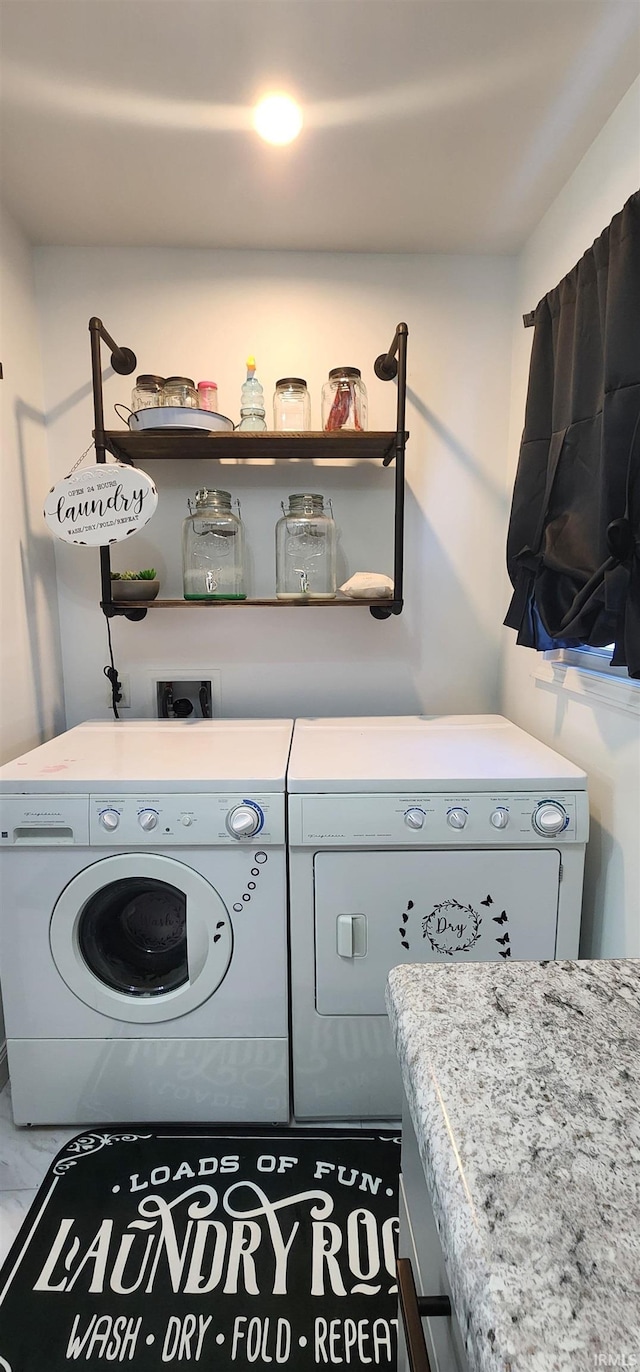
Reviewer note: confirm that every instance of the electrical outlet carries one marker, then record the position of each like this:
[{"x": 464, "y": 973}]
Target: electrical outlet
[{"x": 125, "y": 703}]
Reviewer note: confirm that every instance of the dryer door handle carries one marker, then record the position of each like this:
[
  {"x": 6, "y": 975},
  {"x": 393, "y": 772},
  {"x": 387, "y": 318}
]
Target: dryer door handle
[{"x": 351, "y": 936}]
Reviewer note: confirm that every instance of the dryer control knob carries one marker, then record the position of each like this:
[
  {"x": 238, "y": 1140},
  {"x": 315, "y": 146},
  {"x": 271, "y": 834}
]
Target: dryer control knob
[
  {"x": 499, "y": 818},
  {"x": 147, "y": 819},
  {"x": 457, "y": 818},
  {"x": 414, "y": 818},
  {"x": 549, "y": 818},
  {"x": 109, "y": 820},
  {"x": 243, "y": 821}
]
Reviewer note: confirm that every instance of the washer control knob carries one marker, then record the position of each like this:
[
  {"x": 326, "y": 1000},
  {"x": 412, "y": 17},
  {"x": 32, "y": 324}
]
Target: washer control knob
[
  {"x": 186, "y": 820},
  {"x": 549, "y": 818},
  {"x": 457, "y": 817},
  {"x": 414, "y": 818},
  {"x": 500, "y": 818},
  {"x": 109, "y": 820},
  {"x": 147, "y": 819},
  {"x": 243, "y": 821}
]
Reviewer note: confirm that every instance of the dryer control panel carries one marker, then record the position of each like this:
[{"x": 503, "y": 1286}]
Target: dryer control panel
[{"x": 480, "y": 819}]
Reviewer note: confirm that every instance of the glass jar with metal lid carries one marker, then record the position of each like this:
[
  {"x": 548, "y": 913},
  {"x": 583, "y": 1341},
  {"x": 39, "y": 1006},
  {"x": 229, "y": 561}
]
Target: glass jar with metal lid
[
  {"x": 180, "y": 391},
  {"x": 344, "y": 400},
  {"x": 213, "y": 549},
  {"x": 147, "y": 392},
  {"x": 291, "y": 405},
  {"x": 306, "y": 550}
]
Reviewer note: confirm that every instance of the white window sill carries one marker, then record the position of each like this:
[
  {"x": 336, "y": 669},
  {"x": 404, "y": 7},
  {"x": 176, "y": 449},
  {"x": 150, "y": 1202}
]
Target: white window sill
[{"x": 566, "y": 668}]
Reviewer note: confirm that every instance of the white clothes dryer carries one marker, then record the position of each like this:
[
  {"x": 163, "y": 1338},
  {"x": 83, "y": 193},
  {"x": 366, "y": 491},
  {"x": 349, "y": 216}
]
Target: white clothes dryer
[
  {"x": 414, "y": 839},
  {"x": 143, "y": 948}
]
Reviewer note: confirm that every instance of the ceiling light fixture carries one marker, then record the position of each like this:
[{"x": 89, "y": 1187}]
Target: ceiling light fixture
[{"x": 277, "y": 118}]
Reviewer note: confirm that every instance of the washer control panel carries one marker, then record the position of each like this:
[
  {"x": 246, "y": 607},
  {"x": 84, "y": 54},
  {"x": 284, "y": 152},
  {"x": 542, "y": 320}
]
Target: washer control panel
[
  {"x": 483, "y": 819},
  {"x": 184, "y": 820}
]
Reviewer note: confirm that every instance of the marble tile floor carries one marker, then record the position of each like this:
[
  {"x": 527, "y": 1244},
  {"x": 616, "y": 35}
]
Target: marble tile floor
[{"x": 26, "y": 1154}]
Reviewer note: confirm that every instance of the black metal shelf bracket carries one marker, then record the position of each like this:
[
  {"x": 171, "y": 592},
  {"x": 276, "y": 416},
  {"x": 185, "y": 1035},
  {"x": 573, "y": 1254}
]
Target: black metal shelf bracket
[
  {"x": 123, "y": 361},
  {"x": 110, "y": 610},
  {"x": 387, "y": 367}
]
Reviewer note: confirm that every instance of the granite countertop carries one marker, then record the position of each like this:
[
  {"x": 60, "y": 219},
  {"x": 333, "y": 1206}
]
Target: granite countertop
[{"x": 523, "y": 1083}]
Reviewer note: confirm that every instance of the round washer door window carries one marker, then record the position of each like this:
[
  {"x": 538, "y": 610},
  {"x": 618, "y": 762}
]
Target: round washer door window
[
  {"x": 141, "y": 937},
  {"x": 133, "y": 936}
]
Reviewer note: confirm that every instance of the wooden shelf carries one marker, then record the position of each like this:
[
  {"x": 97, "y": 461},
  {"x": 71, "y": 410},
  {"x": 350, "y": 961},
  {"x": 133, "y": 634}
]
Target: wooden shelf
[
  {"x": 189, "y": 444},
  {"x": 251, "y": 604}
]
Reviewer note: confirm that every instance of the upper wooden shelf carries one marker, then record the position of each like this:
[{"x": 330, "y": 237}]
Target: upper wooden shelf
[{"x": 138, "y": 448}]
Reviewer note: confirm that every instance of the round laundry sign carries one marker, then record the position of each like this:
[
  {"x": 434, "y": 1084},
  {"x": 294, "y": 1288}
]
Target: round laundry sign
[{"x": 100, "y": 504}]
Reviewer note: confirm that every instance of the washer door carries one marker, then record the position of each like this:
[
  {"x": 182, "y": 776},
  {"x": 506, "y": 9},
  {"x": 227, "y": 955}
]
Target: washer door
[{"x": 141, "y": 937}]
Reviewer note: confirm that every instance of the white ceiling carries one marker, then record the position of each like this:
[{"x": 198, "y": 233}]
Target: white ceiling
[{"x": 430, "y": 125}]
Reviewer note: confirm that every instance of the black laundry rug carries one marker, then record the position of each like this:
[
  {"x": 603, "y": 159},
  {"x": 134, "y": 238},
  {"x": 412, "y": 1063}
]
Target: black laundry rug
[{"x": 217, "y": 1249}]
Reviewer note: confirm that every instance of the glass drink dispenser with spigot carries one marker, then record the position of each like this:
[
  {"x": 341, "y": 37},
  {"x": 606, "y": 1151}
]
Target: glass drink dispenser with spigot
[
  {"x": 212, "y": 549},
  {"x": 306, "y": 550}
]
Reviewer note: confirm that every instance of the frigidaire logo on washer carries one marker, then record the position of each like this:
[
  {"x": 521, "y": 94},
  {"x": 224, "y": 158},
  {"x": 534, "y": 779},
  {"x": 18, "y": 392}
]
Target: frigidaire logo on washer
[{"x": 43, "y": 814}]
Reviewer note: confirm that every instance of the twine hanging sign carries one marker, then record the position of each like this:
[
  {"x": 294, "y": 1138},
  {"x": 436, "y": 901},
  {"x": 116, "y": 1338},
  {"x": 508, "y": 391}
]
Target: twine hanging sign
[{"x": 100, "y": 504}]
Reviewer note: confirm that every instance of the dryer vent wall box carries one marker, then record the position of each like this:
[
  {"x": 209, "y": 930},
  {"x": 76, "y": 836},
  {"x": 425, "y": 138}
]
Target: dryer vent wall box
[
  {"x": 143, "y": 940},
  {"x": 183, "y": 692},
  {"x": 450, "y": 839}
]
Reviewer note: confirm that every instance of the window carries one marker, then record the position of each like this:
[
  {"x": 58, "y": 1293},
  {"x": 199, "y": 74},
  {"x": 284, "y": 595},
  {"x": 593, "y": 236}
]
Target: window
[{"x": 587, "y": 674}]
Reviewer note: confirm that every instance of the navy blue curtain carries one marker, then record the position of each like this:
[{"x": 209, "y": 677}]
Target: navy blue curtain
[{"x": 573, "y": 547}]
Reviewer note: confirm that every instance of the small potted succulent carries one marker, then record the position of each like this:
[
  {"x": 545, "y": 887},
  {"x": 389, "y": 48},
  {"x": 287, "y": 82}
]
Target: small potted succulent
[{"x": 135, "y": 585}]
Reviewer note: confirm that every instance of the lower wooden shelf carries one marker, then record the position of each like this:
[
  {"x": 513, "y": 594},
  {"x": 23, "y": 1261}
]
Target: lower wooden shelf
[{"x": 251, "y": 604}]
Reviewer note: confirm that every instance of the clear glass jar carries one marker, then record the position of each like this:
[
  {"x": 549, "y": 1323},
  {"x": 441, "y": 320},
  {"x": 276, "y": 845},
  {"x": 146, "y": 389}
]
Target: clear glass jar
[
  {"x": 344, "y": 400},
  {"x": 291, "y": 405},
  {"x": 208, "y": 396},
  {"x": 212, "y": 549},
  {"x": 181, "y": 391},
  {"x": 306, "y": 550},
  {"x": 147, "y": 392}
]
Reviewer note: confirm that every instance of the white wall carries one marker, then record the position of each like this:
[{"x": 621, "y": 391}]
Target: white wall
[
  {"x": 604, "y": 740},
  {"x": 200, "y": 313},
  {"x": 31, "y": 677},
  {"x": 31, "y": 674}
]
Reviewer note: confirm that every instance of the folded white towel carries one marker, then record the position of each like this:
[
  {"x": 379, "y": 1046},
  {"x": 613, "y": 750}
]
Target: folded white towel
[{"x": 367, "y": 585}]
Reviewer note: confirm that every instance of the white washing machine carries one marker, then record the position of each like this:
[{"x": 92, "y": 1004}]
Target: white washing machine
[
  {"x": 143, "y": 946},
  {"x": 415, "y": 840}
]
